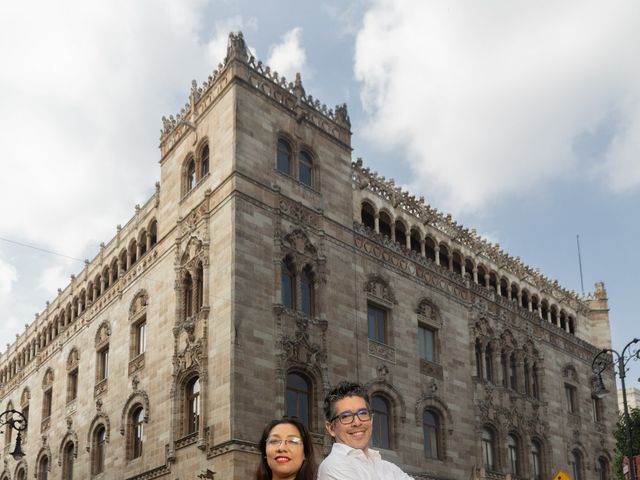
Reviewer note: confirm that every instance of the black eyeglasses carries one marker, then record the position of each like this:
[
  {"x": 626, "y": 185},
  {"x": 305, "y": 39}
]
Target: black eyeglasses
[{"x": 346, "y": 418}]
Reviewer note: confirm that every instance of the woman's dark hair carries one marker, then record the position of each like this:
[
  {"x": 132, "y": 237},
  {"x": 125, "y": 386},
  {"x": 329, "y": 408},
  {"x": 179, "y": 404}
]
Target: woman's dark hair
[{"x": 309, "y": 468}]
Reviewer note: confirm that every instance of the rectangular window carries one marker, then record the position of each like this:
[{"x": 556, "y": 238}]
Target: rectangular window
[
  {"x": 103, "y": 364},
  {"x": 72, "y": 385},
  {"x": 46, "y": 403},
  {"x": 570, "y": 392},
  {"x": 427, "y": 343},
  {"x": 377, "y": 318},
  {"x": 140, "y": 338},
  {"x": 596, "y": 404}
]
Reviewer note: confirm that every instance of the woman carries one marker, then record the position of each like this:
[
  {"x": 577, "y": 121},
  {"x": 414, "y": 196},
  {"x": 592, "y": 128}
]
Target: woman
[{"x": 286, "y": 452}]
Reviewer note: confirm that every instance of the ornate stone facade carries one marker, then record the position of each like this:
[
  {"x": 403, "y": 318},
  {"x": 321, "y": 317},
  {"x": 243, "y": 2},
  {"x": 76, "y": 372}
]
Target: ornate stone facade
[{"x": 267, "y": 255}]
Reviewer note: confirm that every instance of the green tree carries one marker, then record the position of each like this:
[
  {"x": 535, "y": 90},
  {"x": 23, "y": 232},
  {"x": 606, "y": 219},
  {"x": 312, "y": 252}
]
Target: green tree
[{"x": 620, "y": 435}]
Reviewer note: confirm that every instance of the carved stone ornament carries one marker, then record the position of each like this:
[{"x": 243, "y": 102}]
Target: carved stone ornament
[
  {"x": 379, "y": 287},
  {"x": 298, "y": 241},
  {"x": 299, "y": 349}
]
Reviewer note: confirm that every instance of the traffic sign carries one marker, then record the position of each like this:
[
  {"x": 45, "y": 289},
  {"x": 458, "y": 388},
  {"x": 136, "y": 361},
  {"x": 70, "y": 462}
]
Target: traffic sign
[{"x": 561, "y": 476}]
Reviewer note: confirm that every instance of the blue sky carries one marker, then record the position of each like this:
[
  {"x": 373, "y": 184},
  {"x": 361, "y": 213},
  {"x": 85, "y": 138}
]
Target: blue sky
[{"x": 521, "y": 119}]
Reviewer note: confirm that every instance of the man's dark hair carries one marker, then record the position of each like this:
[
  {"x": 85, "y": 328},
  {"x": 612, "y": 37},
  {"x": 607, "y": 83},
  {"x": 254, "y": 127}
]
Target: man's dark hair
[{"x": 340, "y": 391}]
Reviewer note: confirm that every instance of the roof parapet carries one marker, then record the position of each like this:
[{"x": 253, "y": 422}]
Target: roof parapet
[
  {"x": 364, "y": 178},
  {"x": 237, "y": 51}
]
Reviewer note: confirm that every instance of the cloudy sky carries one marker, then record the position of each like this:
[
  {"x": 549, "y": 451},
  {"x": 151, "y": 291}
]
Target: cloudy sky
[{"x": 522, "y": 119}]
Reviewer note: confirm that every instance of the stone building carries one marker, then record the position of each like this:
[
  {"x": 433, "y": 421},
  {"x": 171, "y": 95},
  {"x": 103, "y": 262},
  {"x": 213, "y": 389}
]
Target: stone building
[{"x": 268, "y": 266}]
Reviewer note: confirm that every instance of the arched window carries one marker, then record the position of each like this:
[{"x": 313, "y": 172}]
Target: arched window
[
  {"x": 99, "y": 450},
  {"x": 576, "y": 464},
  {"x": 192, "y": 404},
  {"x": 513, "y": 378},
  {"x": 305, "y": 167},
  {"x": 153, "y": 232},
  {"x": 444, "y": 256},
  {"x": 401, "y": 233},
  {"x": 306, "y": 292},
  {"x": 21, "y": 475},
  {"x": 190, "y": 176},
  {"x": 535, "y": 381},
  {"x": 67, "y": 461},
  {"x": 415, "y": 241},
  {"x": 457, "y": 263},
  {"x": 284, "y": 157},
  {"x": 488, "y": 449},
  {"x": 384, "y": 224},
  {"x": 204, "y": 161},
  {"x": 430, "y": 249},
  {"x": 288, "y": 284},
  {"x": 43, "y": 468},
  {"x": 527, "y": 377},
  {"x": 368, "y": 216},
  {"x": 536, "y": 460},
  {"x": 431, "y": 431},
  {"x": 298, "y": 397},
  {"x": 488, "y": 363},
  {"x": 136, "y": 431},
  {"x": 603, "y": 468},
  {"x": 381, "y": 426},
  {"x": 479, "y": 371},
  {"x": 513, "y": 451},
  {"x": 187, "y": 287}
]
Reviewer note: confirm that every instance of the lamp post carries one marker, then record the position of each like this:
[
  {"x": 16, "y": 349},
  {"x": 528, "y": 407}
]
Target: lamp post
[
  {"x": 16, "y": 420},
  {"x": 601, "y": 362}
]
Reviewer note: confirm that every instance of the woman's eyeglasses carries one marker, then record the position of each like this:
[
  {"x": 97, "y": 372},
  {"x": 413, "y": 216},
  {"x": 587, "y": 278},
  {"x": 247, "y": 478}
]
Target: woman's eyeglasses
[{"x": 276, "y": 442}]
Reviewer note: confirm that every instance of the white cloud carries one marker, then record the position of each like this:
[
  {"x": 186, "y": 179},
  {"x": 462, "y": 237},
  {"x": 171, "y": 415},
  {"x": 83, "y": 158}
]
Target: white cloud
[
  {"x": 53, "y": 278},
  {"x": 489, "y": 98},
  {"x": 288, "y": 57},
  {"x": 8, "y": 276}
]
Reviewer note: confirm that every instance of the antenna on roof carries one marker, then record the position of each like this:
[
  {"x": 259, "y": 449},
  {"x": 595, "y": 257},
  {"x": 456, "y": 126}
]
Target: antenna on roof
[{"x": 580, "y": 264}]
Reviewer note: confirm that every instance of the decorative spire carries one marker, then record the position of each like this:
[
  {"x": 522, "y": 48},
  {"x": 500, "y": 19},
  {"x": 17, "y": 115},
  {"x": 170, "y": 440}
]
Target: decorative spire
[
  {"x": 236, "y": 48},
  {"x": 298, "y": 89}
]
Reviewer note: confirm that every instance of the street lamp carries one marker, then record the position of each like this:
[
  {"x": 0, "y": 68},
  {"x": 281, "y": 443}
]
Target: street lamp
[
  {"x": 16, "y": 420},
  {"x": 601, "y": 362}
]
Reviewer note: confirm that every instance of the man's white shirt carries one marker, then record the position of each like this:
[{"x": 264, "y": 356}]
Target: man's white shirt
[{"x": 346, "y": 463}]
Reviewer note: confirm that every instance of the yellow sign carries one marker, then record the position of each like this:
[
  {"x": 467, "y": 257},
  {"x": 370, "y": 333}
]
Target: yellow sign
[{"x": 561, "y": 476}]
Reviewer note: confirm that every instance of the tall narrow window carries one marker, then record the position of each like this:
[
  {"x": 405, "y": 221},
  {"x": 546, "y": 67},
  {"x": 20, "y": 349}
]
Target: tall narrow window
[
  {"x": 102, "y": 371},
  {"x": 514, "y": 454},
  {"x": 513, "y": 378},
  {"x": 426, "y": 344},
  {"x": 306, "y": 292},
  {"x": 284, "y": 157},
  {"x": 377, "y": 323},
  {"x": 576, "y": 464},
  {"x": 140, "y": 337},
  {"x": 190, "y": 176},
  {"x": 67, "y": 461},
  {"x": 596, "y": 405},
  {"x": 536, "y": 460},
  {"x": 288, "y": 284},
  {"x": 187, "y": 287},
  {"x": 193, "y": 405},
  {"x": 381, "y": 427},
  {"x": 204, "y": 160},
  {"x": 603, "y": 469},
  {"x": 570, "y": 394},
  {"x": 99, "y": 450},
  {"x": 298, "y": 397},
  {"x": 305, "y": 165},
  {"x": 43, "y": 468},
  {"x": 535, "y": 381},
  {"x": 431, "y": 430},
  {"x": 527, "y": 378},
  {"x": 488, "y": 363},
  {"x": 47, "y": 402},
  {"x": 72, "y": 385},
  {"x": 137, "y": 431},
  {"x": 21, "y": 475},
  {"x": 504, "y": 365},
  {"x": 488, "y": 456},
  {"x": 478, "y": 349}
]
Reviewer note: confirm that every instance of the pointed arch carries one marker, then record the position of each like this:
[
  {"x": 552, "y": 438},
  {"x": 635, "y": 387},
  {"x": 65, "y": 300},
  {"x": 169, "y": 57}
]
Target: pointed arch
[
  {"x": 99, "y": 419},
  {"x": 70, "y": 436}
]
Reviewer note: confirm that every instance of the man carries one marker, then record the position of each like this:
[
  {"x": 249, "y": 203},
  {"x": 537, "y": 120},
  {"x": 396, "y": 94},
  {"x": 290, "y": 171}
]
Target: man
[{"x": 349, "y": 421}]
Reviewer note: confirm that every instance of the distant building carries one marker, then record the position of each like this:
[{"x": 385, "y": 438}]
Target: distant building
[
  {"x": 267, "y": 267},
  {"x": 633, "y": 398}
]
